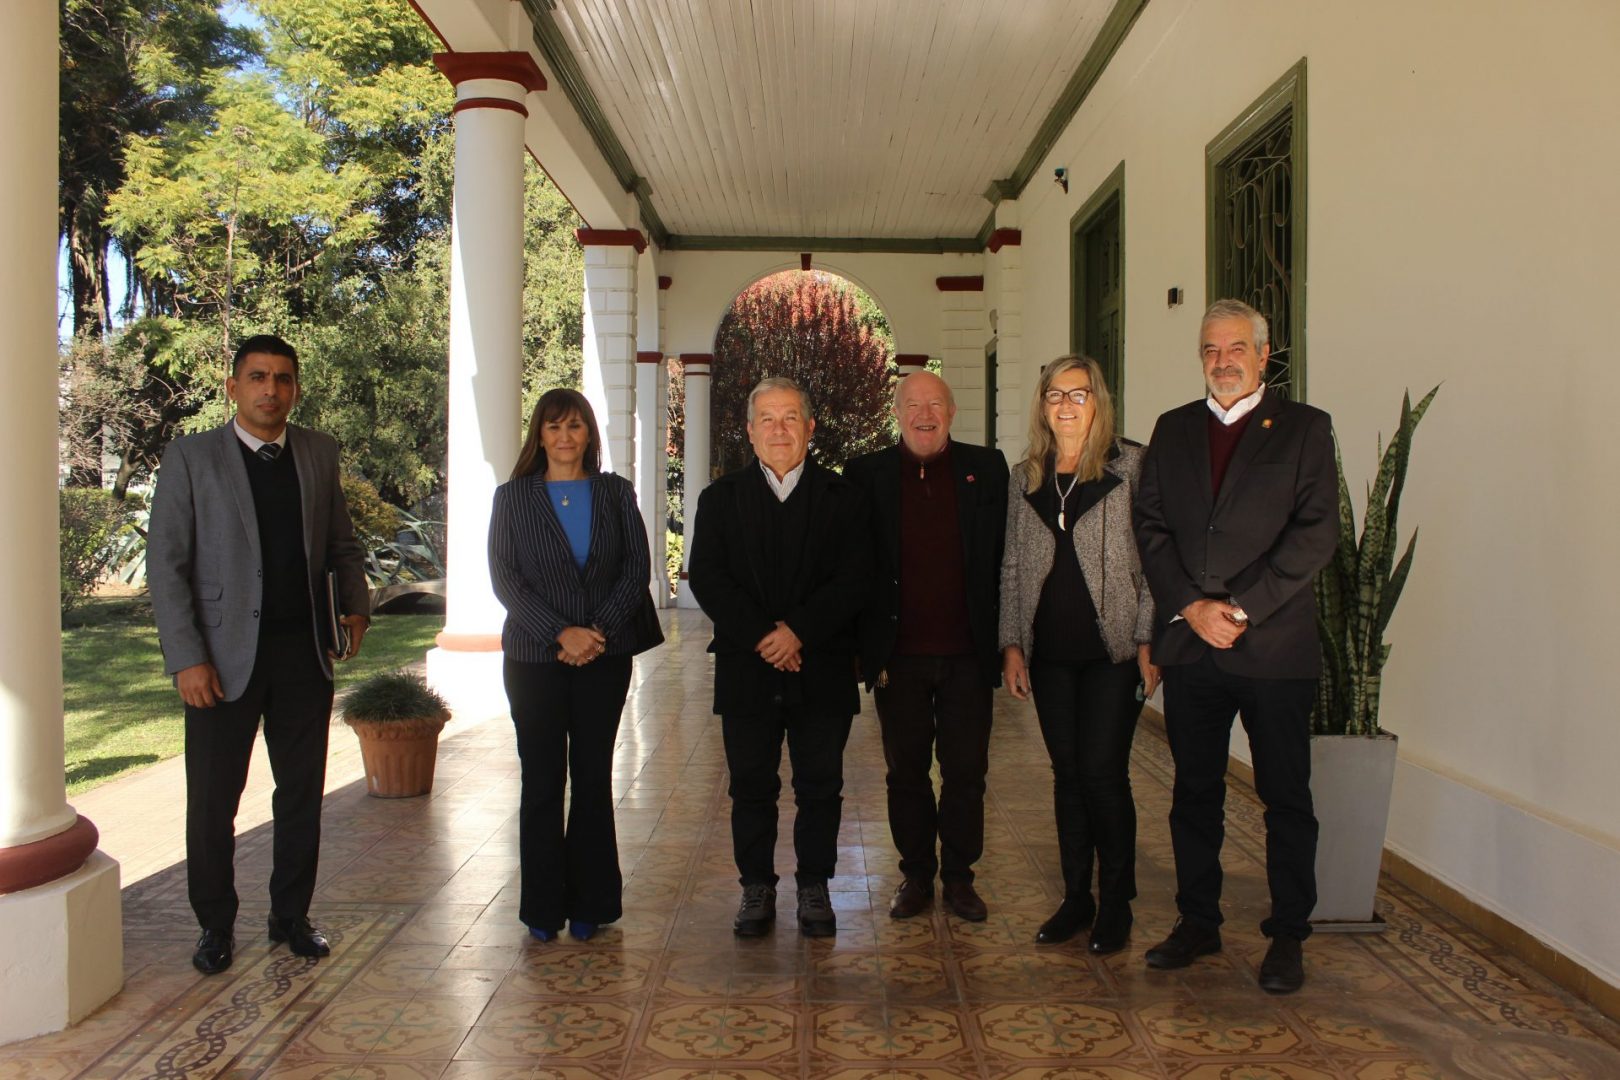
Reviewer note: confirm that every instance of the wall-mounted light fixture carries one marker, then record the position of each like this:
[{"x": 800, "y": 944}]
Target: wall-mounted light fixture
[{"x": 1060, "y": 176}]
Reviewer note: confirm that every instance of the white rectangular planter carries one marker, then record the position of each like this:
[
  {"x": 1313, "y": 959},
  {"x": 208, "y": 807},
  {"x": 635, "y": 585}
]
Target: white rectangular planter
[{"x": 1351, "y": 779}]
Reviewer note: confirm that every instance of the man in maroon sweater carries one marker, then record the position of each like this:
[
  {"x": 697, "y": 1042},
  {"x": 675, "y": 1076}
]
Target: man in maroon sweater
[
  {"x": 928, "y": 637},
  {"x": 1236, "y": 511}
]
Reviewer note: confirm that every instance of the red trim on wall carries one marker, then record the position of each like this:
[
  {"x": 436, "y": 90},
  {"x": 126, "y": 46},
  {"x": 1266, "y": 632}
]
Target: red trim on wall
[
  {"x": 970, "y": 283},
  {"x": 612, "y": 238},
  {"x": 649, "y": 357},
  {"x": 696, "y": 363},
  {"x": 804, "y": 261},
  {"x": 665, "y": 281},
  {"x": 517, "y": 67},
  {"x": 1004, "y": 238},
  {"x": 27, "y": 866},
  {"x": 492, "y": 103},
  {"x": 916, "y": 360}
]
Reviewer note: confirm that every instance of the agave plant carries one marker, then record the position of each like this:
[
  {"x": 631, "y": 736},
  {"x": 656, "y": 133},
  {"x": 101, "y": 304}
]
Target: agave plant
[{"x": 1356, "y": 593}]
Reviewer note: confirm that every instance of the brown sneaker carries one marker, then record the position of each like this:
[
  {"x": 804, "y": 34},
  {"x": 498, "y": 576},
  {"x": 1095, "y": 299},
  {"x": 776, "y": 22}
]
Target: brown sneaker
[
  {"x": 911, "y": 898},
  {"x": 961, "y": 898}
]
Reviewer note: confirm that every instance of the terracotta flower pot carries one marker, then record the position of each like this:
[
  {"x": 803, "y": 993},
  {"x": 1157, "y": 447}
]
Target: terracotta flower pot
[{"x": 399, "y": 755}]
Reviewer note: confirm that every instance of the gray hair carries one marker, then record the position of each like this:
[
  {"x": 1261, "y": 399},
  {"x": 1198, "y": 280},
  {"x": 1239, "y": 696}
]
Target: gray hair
[
  {"x": 1237, "y": 309},
  {"x": 950, "y": 398},
  {"x": 766, "y": 386}
]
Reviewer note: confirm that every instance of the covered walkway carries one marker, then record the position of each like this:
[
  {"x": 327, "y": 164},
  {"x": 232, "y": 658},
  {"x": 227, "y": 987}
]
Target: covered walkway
[{"x": 432, "y": 976}]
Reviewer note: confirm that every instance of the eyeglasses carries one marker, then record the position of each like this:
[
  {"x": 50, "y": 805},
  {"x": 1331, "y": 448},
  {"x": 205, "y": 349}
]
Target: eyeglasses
[{"x": 1079, "y": 396}]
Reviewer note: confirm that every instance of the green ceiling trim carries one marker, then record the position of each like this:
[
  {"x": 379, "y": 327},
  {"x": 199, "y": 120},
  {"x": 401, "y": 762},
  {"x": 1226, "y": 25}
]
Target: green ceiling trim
[
  {"x": 549, "y": 39},
  {"x": 894, "y": 245},
  {"x": 1109, "y": 39}
]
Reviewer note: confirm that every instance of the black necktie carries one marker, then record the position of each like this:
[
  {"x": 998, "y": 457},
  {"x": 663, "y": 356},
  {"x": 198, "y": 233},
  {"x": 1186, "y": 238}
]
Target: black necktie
[{"x": 268, "y": 452}]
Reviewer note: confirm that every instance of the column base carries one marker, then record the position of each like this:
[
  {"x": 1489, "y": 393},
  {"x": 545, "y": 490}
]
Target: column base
[
  {"x": 62, "y": 954},
  {"x": 470, "y": 681}
]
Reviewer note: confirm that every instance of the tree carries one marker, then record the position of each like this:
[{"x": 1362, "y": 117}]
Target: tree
[{"x": 811, "y": 328}]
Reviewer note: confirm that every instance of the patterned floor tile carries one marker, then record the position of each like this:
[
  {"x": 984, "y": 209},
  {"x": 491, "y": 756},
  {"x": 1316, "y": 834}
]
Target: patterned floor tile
[{"x": 433, "y": 977}]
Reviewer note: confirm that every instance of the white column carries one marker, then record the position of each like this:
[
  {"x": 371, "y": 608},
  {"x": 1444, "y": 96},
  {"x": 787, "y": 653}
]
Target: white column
[
  {"x": 696, "y": 456},
  {"x": 610, "y": 341},
  {"x": 61, "y": 950},
  {"x": 486, "y": 362},
  {"x": 1005, "y": 295},
  {"x": 964, "y": 335},
  {"x": 651, "y": 425}
]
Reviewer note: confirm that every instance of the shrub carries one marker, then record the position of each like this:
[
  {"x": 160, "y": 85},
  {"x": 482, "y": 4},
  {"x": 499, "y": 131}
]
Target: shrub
[
  {"x": 93, "y": 525},
  {"x": 392, "y": 696}
]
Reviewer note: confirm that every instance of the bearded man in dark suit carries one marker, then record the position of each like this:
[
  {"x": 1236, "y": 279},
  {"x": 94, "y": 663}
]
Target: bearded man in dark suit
[
  {"x": 247, "y": 520},
  {"x": 1236, "y": 512}
]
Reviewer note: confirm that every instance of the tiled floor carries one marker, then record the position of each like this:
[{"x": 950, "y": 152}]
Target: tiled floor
[{"x": 432, "y": 976}]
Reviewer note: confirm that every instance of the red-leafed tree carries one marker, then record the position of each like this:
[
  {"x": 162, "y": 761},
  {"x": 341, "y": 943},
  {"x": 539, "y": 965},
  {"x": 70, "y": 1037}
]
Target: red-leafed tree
[{"x": 825, "y": 334}]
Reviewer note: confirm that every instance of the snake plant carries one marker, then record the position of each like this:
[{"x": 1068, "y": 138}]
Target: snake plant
[{"x": 1356, "y": 593}]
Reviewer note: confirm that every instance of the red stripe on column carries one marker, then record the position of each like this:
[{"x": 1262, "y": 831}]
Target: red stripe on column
[
  {"x": 649, "y": 357},
  {"x": 972, "y": 283},
  {"x": 665, "y": 281},
  {"x": 29, "y": 865},
  {"x": 916, "y": 360},
  {"x": 517, "y": 67},
  {"x": 612, "y": 238},
  {"x": 468, "y": 642},
  {"x": 491, "y": 103},
  {"x": 696, "y": 363},
  {"x": 1004, "y": 238},
  {"x": 804, "y": 261}
]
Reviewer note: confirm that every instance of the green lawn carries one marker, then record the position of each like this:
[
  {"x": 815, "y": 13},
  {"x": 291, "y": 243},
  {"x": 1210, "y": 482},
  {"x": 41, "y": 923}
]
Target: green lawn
[{"x": 122, "y": 712}]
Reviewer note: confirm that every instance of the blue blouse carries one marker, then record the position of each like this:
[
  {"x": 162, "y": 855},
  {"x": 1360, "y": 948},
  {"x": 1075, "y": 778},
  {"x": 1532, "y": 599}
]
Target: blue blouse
[{"x": 571, "y": 499}]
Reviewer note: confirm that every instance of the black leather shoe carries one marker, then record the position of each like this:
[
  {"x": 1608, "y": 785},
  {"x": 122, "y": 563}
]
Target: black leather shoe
[
  {"x": 911, "y": 898},
  {"x": 1186, "y": 943},
  {"x": 302, "y": 939},
  {"x": 213, "y": 953},
  {"x": 816, "y": 918},
  {"x": 1111, "y": 931},
  {"x": 757, "y": 913},
  {"x": 962, "y": 898},
  {"x": 1071, "y": 917},
  {"x": 1283, "y": 969}
]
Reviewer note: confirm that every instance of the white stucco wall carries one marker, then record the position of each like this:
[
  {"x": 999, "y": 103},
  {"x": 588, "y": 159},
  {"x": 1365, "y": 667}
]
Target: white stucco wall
[{"x": 1462, "y": 229}]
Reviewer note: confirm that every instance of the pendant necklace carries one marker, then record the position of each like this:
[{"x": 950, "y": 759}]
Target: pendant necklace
[
  {"x": 1063, "y": 496},
  {"x": 565, "y": 499}
]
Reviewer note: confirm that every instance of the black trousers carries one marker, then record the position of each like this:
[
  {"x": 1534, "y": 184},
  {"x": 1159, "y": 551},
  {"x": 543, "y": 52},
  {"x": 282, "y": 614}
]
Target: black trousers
[
  {"x": 1199, "y": 701},
  {"x": 567, "y": 719},
  {"x": 1088, "y": 713},
  {"x": 292, "y": 694},
  {"x": 936, "y": 705},
  {"x": 815, "y": 740}
]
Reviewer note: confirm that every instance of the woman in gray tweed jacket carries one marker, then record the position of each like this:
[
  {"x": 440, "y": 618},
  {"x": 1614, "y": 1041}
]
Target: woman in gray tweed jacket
[{"x": 1076, "y": 619}]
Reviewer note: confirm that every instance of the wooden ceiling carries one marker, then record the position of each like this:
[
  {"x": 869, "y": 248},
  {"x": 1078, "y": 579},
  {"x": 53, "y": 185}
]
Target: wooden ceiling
[{"x": 876, "y": 124}]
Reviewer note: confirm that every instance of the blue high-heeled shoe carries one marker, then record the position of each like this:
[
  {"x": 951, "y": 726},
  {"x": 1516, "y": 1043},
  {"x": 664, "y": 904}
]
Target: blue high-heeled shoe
[
  {"x": 541, "y": 934},
  {"x": 580, "y": 930}
]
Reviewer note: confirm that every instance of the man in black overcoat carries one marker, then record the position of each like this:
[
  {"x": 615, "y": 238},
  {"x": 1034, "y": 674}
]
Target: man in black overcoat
[
  {"x": 1236, "y": 512},
  {"x": 779, "y": 563},
  {"x": 928, "y": 637}
]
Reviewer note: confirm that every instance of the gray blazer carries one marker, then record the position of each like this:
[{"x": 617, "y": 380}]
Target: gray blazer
[
  {"x": 203, "y": 560},
  {"x": 1106, "y": 547}
]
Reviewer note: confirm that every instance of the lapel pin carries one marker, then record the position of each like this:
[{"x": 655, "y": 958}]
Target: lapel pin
[
  {"x": 1266, "y": 422},
  {"x": 970, "y": 478}
]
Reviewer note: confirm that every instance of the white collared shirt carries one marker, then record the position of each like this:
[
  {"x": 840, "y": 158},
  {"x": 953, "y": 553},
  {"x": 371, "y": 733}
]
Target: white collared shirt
[
  {"x": 253, "y": 442},
  {"x": 783, "y": 487},
  {"x": 1240, "y": 408}
]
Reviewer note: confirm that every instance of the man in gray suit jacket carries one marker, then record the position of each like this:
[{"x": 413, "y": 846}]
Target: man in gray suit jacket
[{"x": 247, "y": 521}]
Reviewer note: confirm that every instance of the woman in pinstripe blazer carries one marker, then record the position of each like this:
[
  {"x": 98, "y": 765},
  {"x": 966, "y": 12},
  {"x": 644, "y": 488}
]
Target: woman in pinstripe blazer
[{"x": 568, "y": 559}]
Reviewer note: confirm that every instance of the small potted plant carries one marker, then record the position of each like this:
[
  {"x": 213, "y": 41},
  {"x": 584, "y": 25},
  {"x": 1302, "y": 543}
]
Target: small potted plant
[
  {"x": 1352, "y": 756},
  {"x": 397, "y": 718}
]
